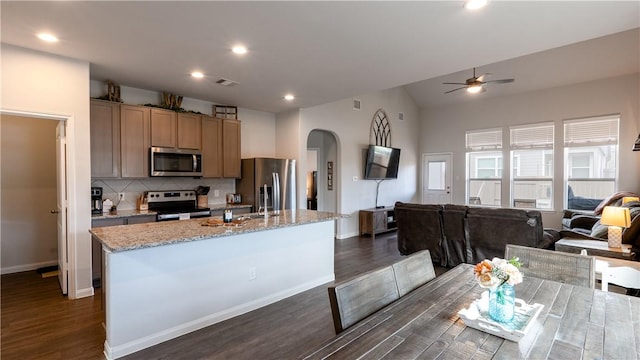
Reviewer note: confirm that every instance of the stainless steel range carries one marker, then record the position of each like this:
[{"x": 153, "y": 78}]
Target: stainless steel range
[{"x": 175, "y": 205}]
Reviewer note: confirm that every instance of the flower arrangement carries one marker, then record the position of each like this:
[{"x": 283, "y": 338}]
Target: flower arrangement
[{"x": 494, "y": 273}]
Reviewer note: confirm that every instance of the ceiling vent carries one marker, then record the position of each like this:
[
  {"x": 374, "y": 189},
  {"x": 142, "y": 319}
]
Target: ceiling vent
[
  {"x": 226, "y": 82},
  {"x": 356, "y": 104}
]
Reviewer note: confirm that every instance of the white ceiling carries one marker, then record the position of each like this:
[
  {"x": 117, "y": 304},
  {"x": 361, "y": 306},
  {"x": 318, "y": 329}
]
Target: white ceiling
[{"x": 326, "y": 51}]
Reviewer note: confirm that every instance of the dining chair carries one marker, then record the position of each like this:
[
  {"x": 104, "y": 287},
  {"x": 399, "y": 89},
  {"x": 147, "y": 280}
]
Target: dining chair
[
  {"x": 413, "y": 271},
  {"x": 558, "y": 266},
  {"x": 355, "y": 299},
  {"x": 622, "y": 276}
]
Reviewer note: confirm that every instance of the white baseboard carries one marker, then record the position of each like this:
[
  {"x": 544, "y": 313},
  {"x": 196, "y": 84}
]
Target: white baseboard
[
  {"x": 176, "y": 331},
  {"x": 81, "y": 293},
  {"x": 347, "y": 235},
  {"x": 27, "y": 267}
]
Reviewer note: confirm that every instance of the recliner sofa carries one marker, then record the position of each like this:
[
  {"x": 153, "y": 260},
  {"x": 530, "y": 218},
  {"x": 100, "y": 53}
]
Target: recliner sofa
[{"x": 456, "y": 234}]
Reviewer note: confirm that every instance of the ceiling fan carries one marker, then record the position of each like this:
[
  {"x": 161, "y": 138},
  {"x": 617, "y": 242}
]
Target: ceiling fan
[{"x": 475, "y": 84}]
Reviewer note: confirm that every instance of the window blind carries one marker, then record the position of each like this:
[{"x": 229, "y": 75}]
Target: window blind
[
  {"x": 591, "y": 132},
  {"x": 484, "y": 140},
  {"x": 539, "y": 136}
]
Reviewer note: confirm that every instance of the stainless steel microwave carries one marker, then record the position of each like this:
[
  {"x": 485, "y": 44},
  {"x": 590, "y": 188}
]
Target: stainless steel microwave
[{"x": 175, "y": 162}]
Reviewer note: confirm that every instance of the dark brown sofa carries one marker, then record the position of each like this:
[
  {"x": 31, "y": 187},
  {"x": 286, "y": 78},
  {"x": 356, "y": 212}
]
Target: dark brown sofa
[{"x": 456, "y": 234}]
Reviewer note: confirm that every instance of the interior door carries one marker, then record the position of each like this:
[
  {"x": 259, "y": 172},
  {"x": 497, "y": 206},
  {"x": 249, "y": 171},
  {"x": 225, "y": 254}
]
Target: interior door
[
  {"x": 436, "y": 179},
  {"x": 61, "y": 205}
]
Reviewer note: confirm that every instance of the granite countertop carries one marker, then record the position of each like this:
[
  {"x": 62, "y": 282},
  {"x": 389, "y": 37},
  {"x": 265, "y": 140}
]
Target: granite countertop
[
  {"x": 225, "y": 205},
  {"x": 122, "y": 213},
  {"x": 130, "y": 213},
  {"x": 139, "y": 236}
]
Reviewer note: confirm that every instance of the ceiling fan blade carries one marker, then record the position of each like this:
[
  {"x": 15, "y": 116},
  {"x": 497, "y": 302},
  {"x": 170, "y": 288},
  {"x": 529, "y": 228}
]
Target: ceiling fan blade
[
  {"x": 460, "y": 88},
  {"x": 448, "y": 83},
  {"x": 502, "y": 81}
]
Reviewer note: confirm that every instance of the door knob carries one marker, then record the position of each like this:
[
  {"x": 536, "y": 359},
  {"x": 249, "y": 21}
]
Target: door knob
[{"x": 54, "y": 211}]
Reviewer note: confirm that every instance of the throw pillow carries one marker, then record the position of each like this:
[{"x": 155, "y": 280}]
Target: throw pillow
[{"x": 599, "y": 231}]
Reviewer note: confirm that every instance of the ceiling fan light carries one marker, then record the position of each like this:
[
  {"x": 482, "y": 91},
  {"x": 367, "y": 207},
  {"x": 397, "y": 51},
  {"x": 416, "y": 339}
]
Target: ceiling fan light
[
  {"x": 474, "y": 89},
  {"x": 474, "y": 4}
]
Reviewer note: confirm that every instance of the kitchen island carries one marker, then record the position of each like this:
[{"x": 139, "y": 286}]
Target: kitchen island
[{"x": 163, "y": 280}]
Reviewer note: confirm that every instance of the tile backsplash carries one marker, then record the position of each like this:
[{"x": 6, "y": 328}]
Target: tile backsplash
[{"x": 133, "y": 188}]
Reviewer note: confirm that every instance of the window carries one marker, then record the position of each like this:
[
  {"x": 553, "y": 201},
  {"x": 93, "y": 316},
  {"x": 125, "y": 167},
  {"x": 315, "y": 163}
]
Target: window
[
  {"x": 532, "y": 163},
  {"x": 484, "y": 167},
  {"x": 591, "y": 159}
]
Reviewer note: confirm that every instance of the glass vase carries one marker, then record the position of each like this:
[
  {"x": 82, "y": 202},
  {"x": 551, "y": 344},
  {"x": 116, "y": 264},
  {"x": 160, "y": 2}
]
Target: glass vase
[{"x": 502, "y": 302}]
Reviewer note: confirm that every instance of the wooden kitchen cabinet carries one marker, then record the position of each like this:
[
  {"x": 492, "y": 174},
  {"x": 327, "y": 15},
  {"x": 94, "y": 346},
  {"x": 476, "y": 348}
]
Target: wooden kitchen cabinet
[
  {"x": 134, "y": 141},
  {"x": 377, "y": 220},
  {"x": 105, "y": 139},
  {"x": 211, "y": 147},
  {"x": 189, "y": 131},
  {"x": 231, "y": 148},
  {"x": 163, "y": 128}
]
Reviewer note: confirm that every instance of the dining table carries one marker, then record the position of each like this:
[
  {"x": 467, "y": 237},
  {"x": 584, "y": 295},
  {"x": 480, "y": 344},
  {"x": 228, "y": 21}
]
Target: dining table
[{"x": 574, "y": 323}]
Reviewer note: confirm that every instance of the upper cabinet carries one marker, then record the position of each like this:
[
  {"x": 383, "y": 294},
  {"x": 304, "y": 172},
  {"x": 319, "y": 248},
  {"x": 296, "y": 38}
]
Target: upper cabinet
[
  {"x": 134, "y": 138},
  {"x": 105, "y": 139},
  {"x": 211, "y": 147},
  {"x": 163, "y": 128},
  {"x": 121, "y": 136},
  {"x": 175, "y": 130},
  {"x": 231, "y": 148},
  {"x": 189, "y": 131}
]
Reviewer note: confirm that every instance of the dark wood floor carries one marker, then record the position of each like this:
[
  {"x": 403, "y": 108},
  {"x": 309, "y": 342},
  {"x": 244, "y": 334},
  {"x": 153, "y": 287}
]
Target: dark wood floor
[{"x": 39, "y": 323}]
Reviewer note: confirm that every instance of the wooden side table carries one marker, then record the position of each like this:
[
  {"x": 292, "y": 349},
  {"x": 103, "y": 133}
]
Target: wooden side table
[
  {"x": 377, "y": 220},
  {"x": 594, "y": 248}
]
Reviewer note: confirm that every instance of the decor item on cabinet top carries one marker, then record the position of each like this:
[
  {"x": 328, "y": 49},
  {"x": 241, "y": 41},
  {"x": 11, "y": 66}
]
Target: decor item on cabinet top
[
  {"x": 171, "y": 101},
  {"x": 113, "y": 92}
]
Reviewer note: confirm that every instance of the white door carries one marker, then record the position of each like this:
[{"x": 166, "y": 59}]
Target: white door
[
  {"x": 436, "y": 178},
  {"x": 61, "y": 204}
]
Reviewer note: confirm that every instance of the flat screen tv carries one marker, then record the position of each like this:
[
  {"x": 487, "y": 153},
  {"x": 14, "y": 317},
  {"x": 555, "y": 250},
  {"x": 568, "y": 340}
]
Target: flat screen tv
[{"x": 381, "y": 163}]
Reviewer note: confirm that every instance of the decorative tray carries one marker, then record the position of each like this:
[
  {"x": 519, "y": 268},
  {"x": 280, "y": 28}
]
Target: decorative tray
[{"x": 477, "y": 317}]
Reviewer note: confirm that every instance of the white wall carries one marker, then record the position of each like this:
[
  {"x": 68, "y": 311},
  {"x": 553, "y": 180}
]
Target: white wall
[
  {"x": 257, "y": 127},
  {"x": 352, "y": 129},
  {"x": 443, "y": 128},
  {"x": 29, "y": 230},
  {"x": 48, "y": 84}
]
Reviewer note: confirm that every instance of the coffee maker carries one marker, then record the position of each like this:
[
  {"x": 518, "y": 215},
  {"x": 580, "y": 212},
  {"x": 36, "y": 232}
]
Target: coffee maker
[{"x": 96, "y": 200}]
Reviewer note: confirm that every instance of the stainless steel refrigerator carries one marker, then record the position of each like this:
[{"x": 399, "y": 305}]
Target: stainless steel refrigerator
[{"x": 278, "y": 176}]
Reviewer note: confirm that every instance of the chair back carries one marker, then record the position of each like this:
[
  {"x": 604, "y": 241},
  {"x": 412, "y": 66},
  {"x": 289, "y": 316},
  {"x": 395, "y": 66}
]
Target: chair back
[
  {"x": 414, "y": 271},
  {"x": 355, "y": 299},
  {"x": 622, "y": 276},
  {"x": 558, "y": 266}
]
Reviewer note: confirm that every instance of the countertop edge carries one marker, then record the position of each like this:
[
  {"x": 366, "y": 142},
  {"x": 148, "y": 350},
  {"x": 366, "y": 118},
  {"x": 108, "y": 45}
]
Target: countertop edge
[{"x": 273, "y": 224}]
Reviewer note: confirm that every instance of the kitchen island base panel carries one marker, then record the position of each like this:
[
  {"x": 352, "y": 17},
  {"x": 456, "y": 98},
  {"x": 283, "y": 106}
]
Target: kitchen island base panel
[{"x": 159, "y": 293}]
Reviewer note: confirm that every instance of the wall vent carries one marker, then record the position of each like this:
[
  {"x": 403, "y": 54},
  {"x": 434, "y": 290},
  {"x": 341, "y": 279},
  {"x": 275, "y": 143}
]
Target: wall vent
[
  {"x": 400, "y": 116},
  {"x": 356, "y": 104},
  {"x": 226, "y": 82}
]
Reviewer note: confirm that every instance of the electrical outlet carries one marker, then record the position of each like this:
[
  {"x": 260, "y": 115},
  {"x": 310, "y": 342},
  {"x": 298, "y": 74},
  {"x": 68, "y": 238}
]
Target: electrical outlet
[
  {"x": 216, "y": 193},
  {"x": 252, "y": 273},
  {"x": 121, "y": 196}
]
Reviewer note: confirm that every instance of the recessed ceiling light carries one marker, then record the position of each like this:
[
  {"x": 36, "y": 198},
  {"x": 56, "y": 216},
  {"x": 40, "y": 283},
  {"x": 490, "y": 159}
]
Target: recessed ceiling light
[
  {"x": 239, "y": 49},
  {"x": 289, "y": 97},
  {"x": 197, "y": 74},
  {"x": 474, "y": 4},
  {"x": 47, "y": 37}
]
